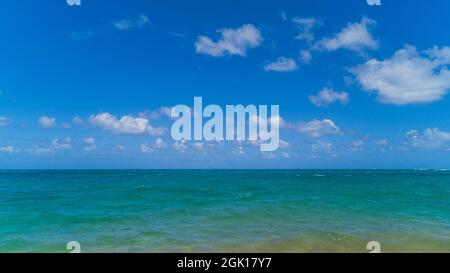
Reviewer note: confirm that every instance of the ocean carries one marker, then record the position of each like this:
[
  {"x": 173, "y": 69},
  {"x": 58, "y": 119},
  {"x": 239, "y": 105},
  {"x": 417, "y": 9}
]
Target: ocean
[{"x": 225, "y": 210}]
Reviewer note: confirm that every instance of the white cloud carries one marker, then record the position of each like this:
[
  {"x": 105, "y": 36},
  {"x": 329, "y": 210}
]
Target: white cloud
[
  {"x": 77, "y": 120},
  {"x": 159, "y": 143},
  {"x": 7, "y": 150},
  {"x": 232, "y": 42},
  {"x": 90, "y": 144},
  {"x": 119, "y": 147},
  {"x": 283, "y": 15},
  {"x": 140, "y": 21},
  {"x": 240, "y": 151},
  {"x": 286, "y": 155},
  {"x": 322, "y": 147},
  {"x": 125, "y": 125},
  {"x": 317, "y": 128},
  {"x": 282, "y": 64},
  {"x": 4, "y": 121},
  {"x": 66, "y": 125},
  {"x": 408, "y": 77},
  {"x": 306, "y": 26},
  {"x": 37, "y": 150},
  {"x": 429, "y": 138},
  {"x": 47, "y": 122},
  {"x": 305, "y": 56},
  {"x": 328, "y": 96},
  {"x": 180, "y": 145},
  {"x": 354, "y": 37},
  {"x": 89, "y": 141},
  {"x": 199, "y": 145},
  {"x": 357, "y": 145},
  {"x": 65, "y": 144},
  {"x": 382, "y": 142},
  {"x": 146, "y": 148}
]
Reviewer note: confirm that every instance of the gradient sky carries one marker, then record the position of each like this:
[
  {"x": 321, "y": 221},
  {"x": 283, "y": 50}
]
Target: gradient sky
[{"x": 358, "y": 86}]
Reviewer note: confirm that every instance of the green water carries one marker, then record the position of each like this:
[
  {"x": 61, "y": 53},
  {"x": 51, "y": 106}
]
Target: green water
[{"x": 225, "y": 210}]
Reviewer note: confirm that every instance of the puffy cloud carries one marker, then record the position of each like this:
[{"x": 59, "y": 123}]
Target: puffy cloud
[
  {"x": 282, "y": 64},
  {"x": 232, "y": 42},
  {"x": 125, "y": 125},
  {"x": 47, "y": 122},
  {"x": 317, "y": 128},
  {"x": 7, "y": 150},
  {"x": 306, "y": 26},
  {"x": 4, "y": 121},
  {"x": 429, "y": 138},
  {"x": 328, "y": 96},
  {"x": 140, "y": 21},
  {"x": 65, "y": 144},
  {"x": 355, "y": 37},
  {"x": 408, "y": 77}
]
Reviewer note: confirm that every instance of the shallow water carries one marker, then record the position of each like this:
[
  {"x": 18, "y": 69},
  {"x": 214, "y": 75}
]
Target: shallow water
[{"x": 225, "y": 210}]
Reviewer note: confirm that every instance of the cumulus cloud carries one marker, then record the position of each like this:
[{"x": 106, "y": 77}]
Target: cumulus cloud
[
  {"x": 354, "y": 37},
  {"x": 408, "y": 77},
  {"x": 124, "y": 125},
  {"x": 65, "y": 144},
  {"x": 317, "y": 128},
  {"x": 429, "y": 138},
  {"x": 47, "y": 122},
  {"x": 4, "y": 121},
  {"x": 232, "y": 42},
  {"x": 139, "y": 21},
  {"x": 306, "y": 25},
  {"x": 282, "y": 64},
  {"x": 7, "y": 150},
  {"x": 328, "y": 96}
]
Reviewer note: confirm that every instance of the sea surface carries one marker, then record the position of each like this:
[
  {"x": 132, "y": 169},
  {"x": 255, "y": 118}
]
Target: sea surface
[{"x": 225, "y": 210}]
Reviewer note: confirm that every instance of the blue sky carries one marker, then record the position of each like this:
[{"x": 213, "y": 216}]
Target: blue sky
[{"x": 358, "y": 86}]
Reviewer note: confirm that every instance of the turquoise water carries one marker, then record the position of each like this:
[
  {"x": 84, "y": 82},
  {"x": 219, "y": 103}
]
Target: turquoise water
[{"x": 225, "y": 211}]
